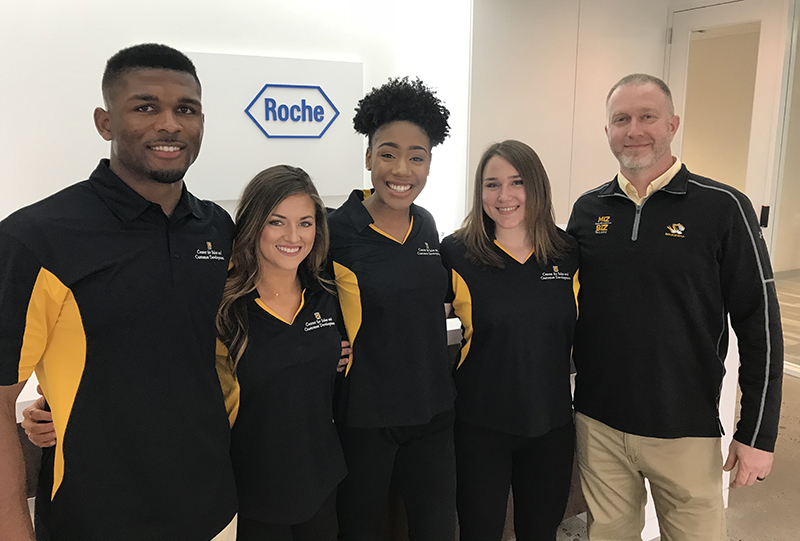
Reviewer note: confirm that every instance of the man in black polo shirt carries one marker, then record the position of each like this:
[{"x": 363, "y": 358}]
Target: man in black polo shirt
[{"x": 108, "y": 290}]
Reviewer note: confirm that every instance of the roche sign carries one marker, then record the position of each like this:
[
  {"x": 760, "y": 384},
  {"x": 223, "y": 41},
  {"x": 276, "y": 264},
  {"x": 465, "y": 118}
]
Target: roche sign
[{"x": 292, "y": 111}]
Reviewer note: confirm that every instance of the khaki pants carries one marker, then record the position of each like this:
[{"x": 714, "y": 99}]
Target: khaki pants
[
  {"x": 685, "y": 477},
  {"x": 229, "y": 533}
]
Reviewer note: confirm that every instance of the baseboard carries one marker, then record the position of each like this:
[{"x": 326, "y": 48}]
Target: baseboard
[
  {"x": 791, "y": 369},
  {"x": 794, "y": 273}
]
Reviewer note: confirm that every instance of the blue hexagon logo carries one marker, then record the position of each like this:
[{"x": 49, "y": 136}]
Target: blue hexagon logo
[{"x": 292, "y": 111}]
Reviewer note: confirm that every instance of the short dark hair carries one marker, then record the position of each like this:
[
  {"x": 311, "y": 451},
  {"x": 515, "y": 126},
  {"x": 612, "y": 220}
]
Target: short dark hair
[
  {"x": 642, "y": 79},
  {"x": 401, "y": 99},
  {"x": 146, "y": 56}
]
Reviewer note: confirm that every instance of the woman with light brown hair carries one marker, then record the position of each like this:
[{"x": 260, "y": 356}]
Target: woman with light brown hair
[{"x": 511, "y": 278}]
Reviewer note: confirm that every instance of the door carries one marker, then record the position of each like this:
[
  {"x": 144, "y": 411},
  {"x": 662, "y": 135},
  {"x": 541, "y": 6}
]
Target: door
[{"x": 726, "y": 67}]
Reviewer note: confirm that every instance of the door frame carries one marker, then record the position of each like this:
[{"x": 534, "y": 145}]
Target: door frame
[{"x": 786, "y": 101}]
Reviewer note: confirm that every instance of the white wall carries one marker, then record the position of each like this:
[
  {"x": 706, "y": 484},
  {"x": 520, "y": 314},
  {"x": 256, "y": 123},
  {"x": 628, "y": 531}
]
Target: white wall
[
  {"x": 52, "y": 55},
  {"x": 523, "y": 83},
  {"x": 540, "y": 74},
  {"x": 617, "y": 37}
]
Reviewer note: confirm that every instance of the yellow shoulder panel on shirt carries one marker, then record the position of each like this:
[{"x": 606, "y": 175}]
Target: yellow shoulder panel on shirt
[
  {"x": 350, "y": 302},
  {"x": 55, "y": 343},
  {"x": 44, "y": 307},
  {"x": 228, "y": 382},
  {"x": 462, "y": 305}
]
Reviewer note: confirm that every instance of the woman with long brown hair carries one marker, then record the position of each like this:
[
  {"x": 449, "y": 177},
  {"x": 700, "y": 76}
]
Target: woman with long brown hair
[
  {"x": 279, "y": 340},
  {"x": 512, "y": 274}
]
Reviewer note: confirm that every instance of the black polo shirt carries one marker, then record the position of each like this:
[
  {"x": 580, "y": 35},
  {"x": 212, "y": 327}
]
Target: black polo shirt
[
  {"x": 113, "y": 304},
  {"x": 285, "y": 449},
  {"x": 392, "y": 296},
  {"x": 513, "y": 370}
]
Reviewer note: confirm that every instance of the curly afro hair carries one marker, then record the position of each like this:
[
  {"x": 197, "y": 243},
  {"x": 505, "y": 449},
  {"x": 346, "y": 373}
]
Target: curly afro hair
[{"x": 401, "y": 99}]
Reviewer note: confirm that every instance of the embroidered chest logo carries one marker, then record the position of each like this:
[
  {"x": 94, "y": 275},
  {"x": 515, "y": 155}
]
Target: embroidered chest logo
[
  {"x": 427, "y": 250},
  {"x": 601, "y": 225},
  {"x": 675, "y": 230},
  {"x": 319, "y": 322},
  {"x": 555, "y": 275},
  {"x": 209, "y": 253}
]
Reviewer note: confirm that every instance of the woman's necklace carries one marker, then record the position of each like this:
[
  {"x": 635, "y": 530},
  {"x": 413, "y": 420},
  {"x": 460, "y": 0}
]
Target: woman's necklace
[{"x": 266, "y": 292}]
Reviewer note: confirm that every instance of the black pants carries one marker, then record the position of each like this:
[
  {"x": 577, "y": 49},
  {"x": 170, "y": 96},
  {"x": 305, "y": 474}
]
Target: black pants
[
  {"x": 321, "y": 527},
  {"x": 425, "y": 461},
  {"x": 538, "y": 469}
]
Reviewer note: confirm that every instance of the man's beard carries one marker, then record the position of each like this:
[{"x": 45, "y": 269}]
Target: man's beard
[
  {"x": 170, "y": 176},
  {"x": 637, "y": 163}
]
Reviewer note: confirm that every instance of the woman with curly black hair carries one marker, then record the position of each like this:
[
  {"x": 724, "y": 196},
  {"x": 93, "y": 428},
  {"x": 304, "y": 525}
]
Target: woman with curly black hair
[{"x": 396, "y": 400}]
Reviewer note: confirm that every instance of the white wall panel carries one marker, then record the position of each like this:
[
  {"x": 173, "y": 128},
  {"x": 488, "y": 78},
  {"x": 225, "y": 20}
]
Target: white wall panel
[
  {"x": 541, "y": 71},
  {"x": 523, "y": 83},
  {"x": 617, "y": 37}
]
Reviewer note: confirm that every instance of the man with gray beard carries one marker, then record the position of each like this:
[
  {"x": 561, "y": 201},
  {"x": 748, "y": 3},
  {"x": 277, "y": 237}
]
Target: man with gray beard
[{"x": 666, "y": 257}]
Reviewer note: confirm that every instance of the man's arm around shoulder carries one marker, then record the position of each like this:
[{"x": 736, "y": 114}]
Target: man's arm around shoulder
[{"x": 15, "y": 520}]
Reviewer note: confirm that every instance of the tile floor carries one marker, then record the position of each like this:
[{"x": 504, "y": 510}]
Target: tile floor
[{"x": 573, "y": 529}]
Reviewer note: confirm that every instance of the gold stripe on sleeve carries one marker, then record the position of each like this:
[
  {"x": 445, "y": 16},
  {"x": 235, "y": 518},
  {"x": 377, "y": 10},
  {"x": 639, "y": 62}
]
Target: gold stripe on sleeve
[
  {"x": 60, "y": 333},
  {"x": 576, "y": 287},
  {"x": 462, "y": 305},
  {"x": 228, "y": 382},
  {"x": 350, "y": 302},
  {"x": 44, "y": 306}
]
